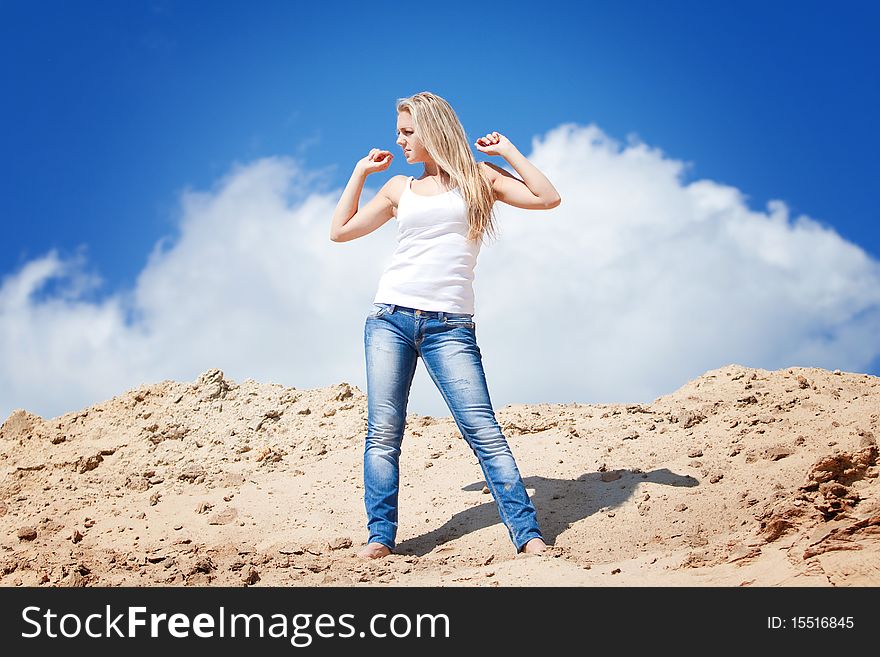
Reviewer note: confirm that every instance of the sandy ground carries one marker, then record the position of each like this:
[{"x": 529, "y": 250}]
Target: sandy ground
[{"x": 742, "y": 477}]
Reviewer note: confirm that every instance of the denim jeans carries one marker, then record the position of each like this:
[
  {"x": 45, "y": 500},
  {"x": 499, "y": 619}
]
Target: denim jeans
[{"x": 394, "y": 337}]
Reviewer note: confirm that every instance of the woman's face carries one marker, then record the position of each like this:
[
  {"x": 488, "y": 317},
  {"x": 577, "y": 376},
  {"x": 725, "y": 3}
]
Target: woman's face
[{"x": 412, "y": 147}]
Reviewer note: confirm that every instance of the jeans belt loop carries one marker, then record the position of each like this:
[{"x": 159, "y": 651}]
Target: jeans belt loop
[
  {"x": 441, "y": 316},
  {"x": 391, "y": 309}
]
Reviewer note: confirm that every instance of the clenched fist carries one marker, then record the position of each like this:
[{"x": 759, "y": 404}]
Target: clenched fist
[
  {"x": 377, "y": 160},
  {"x": 494, "y": 143}
]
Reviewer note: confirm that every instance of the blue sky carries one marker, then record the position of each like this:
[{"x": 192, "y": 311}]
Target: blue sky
[{"x": 113, "y": 110}]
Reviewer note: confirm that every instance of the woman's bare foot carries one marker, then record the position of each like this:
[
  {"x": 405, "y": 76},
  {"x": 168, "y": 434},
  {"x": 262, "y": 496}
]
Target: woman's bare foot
[
  {"x": 374, "y": 551},
  {"x": 534, "y": 546}
]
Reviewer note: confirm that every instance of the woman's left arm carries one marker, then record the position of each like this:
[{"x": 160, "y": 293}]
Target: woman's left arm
[{"x": 533, "y": 192}]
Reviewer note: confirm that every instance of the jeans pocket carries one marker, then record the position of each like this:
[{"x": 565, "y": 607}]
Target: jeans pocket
[
  {"x": 378, "y": 310},
  {"x": 459, "y": 321}
]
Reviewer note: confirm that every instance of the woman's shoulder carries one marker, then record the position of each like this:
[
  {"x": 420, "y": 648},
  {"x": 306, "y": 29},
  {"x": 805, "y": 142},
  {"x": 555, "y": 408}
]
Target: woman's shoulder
[
  {"x": 491, "y": 171},
  {"x": 394, "y": 187}
]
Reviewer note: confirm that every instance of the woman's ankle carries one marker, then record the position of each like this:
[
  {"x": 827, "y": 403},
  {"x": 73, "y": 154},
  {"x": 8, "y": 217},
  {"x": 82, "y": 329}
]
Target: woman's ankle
[{"x": 534, "y": 546}]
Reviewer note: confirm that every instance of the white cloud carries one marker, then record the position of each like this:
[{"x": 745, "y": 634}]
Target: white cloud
[{"x": 637, "y": 283}]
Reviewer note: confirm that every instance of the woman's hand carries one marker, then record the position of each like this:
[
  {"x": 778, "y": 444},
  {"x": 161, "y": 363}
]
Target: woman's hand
[
  {"x": 494, "y": 143},
  {"x": 377, "y": 160}
]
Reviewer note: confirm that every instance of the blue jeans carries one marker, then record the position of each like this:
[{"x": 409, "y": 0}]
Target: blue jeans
[{"x": 394, "y": 337}]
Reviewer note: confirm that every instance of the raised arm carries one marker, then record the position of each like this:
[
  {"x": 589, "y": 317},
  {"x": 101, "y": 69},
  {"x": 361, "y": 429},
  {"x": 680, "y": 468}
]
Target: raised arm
[
  {"x": 533, "y": 192},
  {"x": 348, "y": 221}
]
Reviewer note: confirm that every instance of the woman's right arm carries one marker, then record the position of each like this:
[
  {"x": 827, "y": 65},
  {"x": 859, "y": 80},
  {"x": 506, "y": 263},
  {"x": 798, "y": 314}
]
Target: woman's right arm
[{"x": 348, "y": 222}]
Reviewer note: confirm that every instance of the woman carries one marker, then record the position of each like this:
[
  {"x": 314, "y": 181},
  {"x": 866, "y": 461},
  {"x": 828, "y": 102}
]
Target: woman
[{"x": 424, "y": 305}]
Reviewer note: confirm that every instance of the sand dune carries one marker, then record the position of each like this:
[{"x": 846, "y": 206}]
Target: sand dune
[{"x": 740, "y": 477}]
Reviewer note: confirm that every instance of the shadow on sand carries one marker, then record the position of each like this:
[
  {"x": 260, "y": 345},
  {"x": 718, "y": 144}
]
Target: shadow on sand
[{"x": 559, "y": 502}]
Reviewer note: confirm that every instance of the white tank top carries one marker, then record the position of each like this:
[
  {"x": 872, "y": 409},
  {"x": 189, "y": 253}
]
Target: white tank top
[{"x": 433, "y": 265}]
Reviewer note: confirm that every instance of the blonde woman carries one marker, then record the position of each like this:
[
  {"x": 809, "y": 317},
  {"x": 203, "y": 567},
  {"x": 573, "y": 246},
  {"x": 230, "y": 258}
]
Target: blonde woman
[{"x": 424, "y": 305}]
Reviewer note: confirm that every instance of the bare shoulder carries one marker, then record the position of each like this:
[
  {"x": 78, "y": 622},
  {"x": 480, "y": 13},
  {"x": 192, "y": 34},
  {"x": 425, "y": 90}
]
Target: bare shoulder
[
  {"x": 393, "y": 189},
  {"x": 489, "y": 170}
]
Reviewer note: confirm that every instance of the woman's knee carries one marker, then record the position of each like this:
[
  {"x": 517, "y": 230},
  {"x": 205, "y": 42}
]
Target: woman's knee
[
  {"x": 385, "y": 432},
  {"x": 488, "y": 437}
]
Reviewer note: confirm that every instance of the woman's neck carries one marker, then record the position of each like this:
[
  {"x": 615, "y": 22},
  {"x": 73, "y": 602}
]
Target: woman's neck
[{"x": 433, "y": 171}]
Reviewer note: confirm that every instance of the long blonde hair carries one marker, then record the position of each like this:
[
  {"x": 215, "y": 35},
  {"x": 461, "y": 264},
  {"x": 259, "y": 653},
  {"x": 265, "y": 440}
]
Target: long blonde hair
[{"x": 441, "y": 133}]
